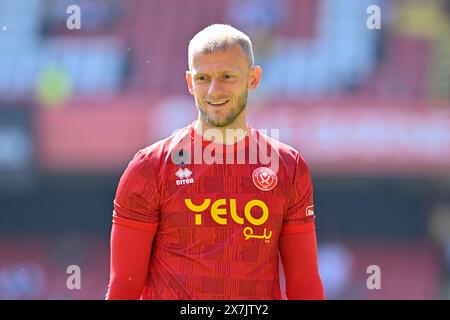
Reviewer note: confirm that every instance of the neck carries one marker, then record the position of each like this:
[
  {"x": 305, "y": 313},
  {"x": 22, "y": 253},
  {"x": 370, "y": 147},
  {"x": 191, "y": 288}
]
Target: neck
[{"x": 231, "y": 134}]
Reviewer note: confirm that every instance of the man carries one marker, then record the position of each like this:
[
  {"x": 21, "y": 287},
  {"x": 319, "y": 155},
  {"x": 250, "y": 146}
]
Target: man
[{"x": 193, "y": 222}]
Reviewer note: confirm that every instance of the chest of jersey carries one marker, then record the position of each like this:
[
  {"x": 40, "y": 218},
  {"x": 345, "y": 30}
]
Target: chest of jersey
[{"x": 236, "y": 203}]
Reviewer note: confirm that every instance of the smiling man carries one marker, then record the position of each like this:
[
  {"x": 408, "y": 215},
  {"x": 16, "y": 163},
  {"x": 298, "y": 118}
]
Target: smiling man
[
  {"x": 220, "y": 81},
  {"x": 186, "y": 229}
]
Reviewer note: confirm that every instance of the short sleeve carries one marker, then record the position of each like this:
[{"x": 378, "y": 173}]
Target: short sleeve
[
  {"x": 137, "y": 196},
  {"x": 300, "y": 213}
]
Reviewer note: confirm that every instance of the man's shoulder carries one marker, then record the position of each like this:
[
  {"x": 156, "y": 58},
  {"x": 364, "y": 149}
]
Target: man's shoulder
[
  {"x": 162, "y": 149},
  {"x": 285, "y": 151}
]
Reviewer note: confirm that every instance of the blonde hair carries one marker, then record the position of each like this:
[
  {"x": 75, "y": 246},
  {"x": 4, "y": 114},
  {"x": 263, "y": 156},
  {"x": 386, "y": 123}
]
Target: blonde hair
[{"x": 220, "y": 37}]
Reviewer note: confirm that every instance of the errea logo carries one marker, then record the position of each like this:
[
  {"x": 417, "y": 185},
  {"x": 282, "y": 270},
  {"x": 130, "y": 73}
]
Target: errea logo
[{"x": 183, "y": 175}]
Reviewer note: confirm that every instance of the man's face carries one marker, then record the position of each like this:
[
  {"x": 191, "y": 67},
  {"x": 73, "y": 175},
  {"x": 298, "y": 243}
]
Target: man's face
[{"x": 220, "y": 81}]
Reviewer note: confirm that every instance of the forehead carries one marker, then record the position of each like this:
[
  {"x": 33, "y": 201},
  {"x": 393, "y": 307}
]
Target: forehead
[{"x": 232, "y": 59}]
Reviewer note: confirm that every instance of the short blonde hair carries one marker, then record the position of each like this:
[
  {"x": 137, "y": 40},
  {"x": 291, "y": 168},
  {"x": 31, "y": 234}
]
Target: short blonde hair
[{"x": 220, "y": 37}]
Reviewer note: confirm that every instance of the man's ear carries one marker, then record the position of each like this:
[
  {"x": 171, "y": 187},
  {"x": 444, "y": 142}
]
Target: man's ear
[
  {"x": 189, "y": 82},
  {"x": 255, "y": 77}
]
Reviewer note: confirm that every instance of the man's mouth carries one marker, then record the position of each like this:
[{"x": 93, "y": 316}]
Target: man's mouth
[{"x": 218, "y": 103}]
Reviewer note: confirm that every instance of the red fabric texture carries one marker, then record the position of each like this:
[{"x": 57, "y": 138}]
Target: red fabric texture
[
  {"x": 131, "y": 245},
  {"x": 299, "y": 259}
]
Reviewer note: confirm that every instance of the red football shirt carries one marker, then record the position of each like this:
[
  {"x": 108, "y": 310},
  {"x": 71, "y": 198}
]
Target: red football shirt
[{"x": 218, "y": 223}]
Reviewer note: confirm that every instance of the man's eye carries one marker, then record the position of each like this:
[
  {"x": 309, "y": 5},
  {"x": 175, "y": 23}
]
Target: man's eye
[
  {"x": 200, "y": 78},
  {"x": 227, "y": 76}
]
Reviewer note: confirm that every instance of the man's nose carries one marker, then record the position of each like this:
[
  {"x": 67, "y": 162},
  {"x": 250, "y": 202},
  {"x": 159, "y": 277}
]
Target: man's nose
[{"x": 214, "y": 88}]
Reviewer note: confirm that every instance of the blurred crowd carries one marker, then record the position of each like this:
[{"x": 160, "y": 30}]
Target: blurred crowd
[{"x": 307, "y": 48}]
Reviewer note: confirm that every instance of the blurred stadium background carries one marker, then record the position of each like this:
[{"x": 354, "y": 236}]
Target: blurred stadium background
[{"x": 368, "y": 109}]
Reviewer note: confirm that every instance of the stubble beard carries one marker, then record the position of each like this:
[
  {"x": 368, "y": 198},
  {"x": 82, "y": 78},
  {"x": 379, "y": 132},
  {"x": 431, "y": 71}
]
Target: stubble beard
[{"x": 230, "y": 117}]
